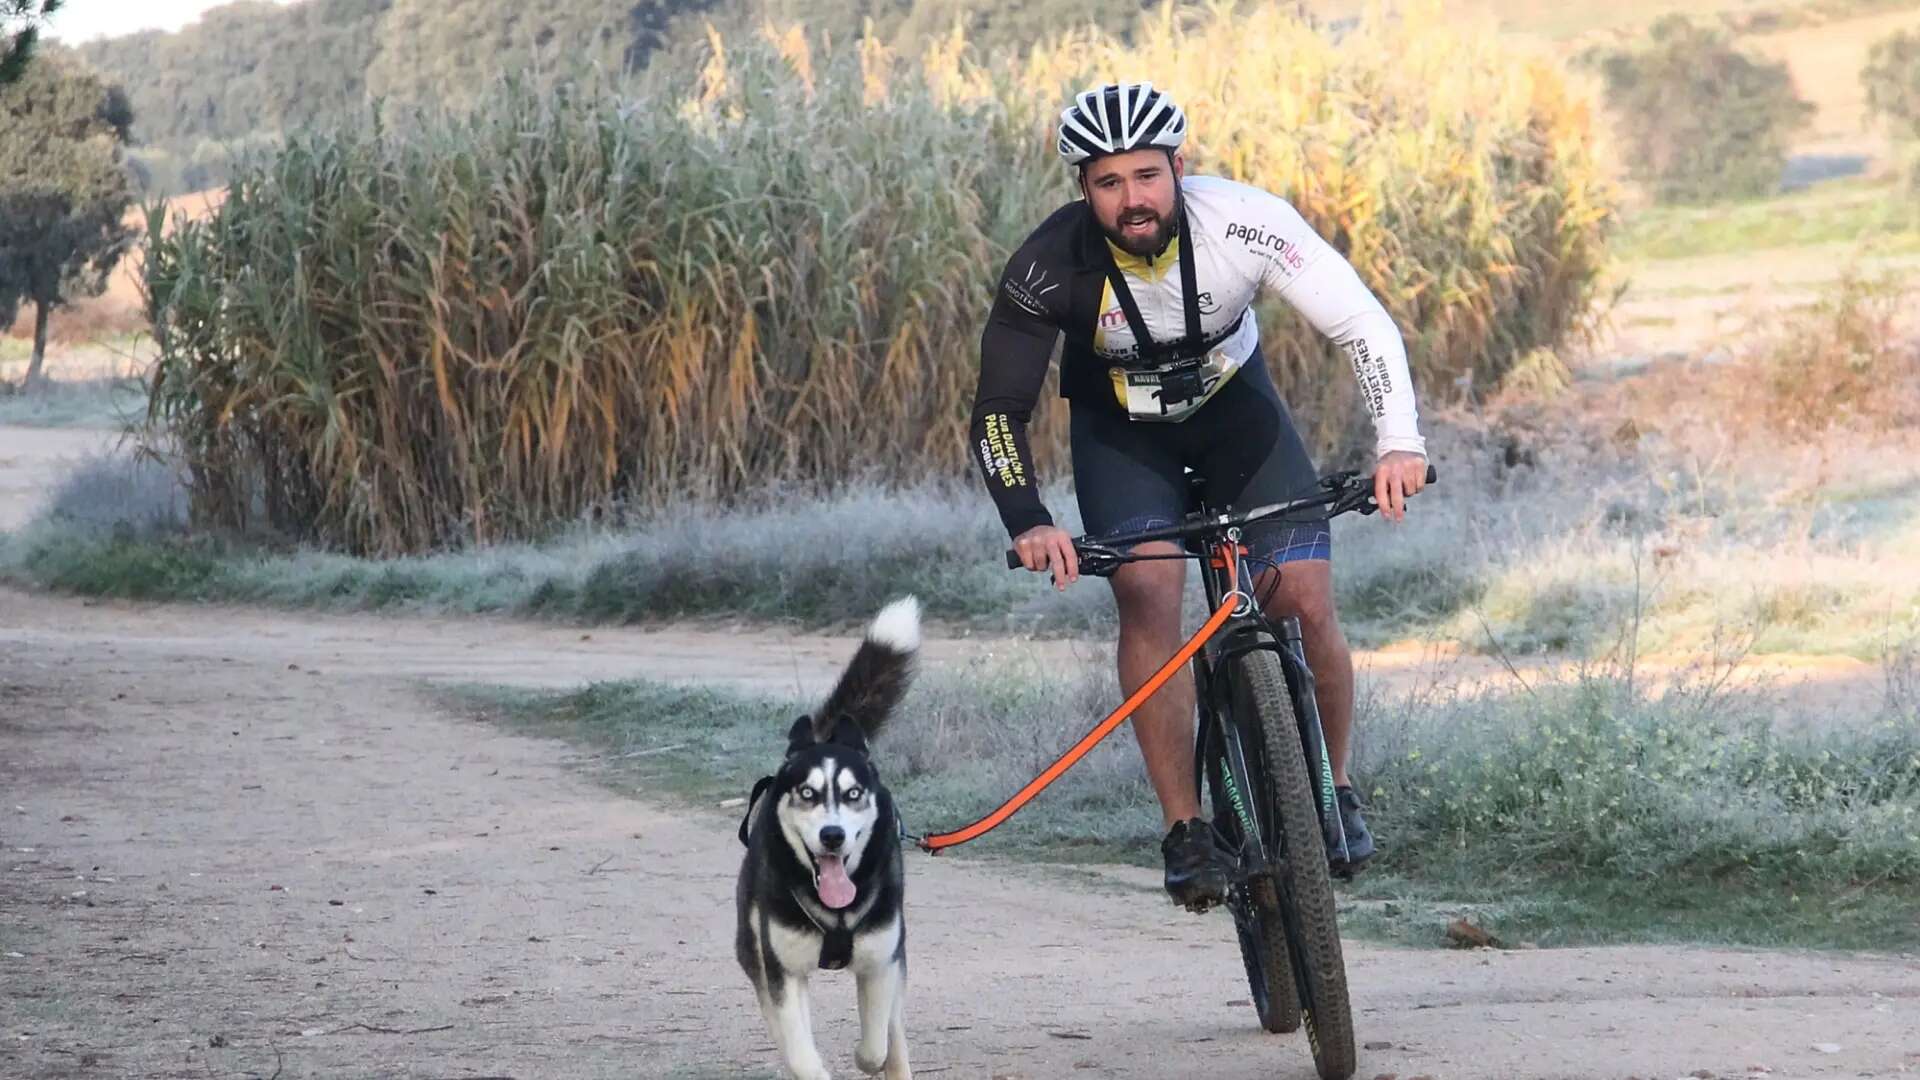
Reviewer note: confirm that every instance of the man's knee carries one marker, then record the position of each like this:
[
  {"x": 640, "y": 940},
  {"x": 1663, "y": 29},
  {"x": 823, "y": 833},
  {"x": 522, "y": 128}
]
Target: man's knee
[
  {"x": 1148, "y": 596},
  {"x": 1305, "y": 592}
]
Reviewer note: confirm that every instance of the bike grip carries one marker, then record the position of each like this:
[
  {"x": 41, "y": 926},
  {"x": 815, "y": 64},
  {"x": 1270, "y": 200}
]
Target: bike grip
[
  {"x": 1013, "y": 560},
  {"x": 1432, "y": 473}
]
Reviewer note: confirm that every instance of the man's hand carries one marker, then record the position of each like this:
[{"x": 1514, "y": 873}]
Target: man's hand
[
  {"x": 1398, "y": 474},
  {"x": 1049, "y": 547}
]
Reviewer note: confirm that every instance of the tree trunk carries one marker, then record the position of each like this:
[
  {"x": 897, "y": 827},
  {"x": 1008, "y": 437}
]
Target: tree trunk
[{"x": 34, "y": 375}]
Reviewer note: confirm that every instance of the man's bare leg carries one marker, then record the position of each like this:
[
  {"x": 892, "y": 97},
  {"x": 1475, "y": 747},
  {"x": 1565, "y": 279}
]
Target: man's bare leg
[
  {"x": 1306, "y": 593},
  {"x": 1148, "y": 595}
]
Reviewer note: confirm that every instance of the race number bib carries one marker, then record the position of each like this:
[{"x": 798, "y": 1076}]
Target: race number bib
[{"x": 1171, "y": 392}]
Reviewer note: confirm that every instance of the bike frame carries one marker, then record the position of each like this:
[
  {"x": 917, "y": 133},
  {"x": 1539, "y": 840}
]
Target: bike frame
[
  {"x": 1248, "y": 629},
  {"x": 1224, "y": 563}
]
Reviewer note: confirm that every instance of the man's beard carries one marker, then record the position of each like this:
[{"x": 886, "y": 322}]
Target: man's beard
[{"x": 1145, "y": 245}]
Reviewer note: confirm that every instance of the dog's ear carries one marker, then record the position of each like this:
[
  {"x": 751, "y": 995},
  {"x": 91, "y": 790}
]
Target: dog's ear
[
  {"x": 753, "y": 803},
  {"x": 847, "y": 732},
  {"x": 801, "y": 735},
  {"x": 842, "y": 730}
]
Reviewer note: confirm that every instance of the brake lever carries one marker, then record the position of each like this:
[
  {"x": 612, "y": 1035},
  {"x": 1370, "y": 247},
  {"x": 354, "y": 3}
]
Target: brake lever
[
  {"x": 1358, "y": 500},
  {"x": 1336, "y": 480},
  {"x": 1097, "y": 560}
]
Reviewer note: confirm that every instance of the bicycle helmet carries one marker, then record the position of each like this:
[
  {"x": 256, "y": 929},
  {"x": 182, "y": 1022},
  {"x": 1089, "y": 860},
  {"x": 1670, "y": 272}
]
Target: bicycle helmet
[{"x": 1119, "y": 117}]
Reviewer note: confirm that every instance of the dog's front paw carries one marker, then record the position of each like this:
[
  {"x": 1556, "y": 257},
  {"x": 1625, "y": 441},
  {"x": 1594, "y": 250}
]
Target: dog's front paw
[
  {"x": 817, "y": 1072},
  {"x": 871, "y": 1059}
]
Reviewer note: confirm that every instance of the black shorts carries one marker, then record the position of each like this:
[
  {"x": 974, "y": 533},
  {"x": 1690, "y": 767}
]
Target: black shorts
[{"x": 1242, "y": 443}]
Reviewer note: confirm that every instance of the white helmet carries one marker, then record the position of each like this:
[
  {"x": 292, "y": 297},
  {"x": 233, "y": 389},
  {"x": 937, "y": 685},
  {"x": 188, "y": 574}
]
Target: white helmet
[{"x": 1117, "y": 118}]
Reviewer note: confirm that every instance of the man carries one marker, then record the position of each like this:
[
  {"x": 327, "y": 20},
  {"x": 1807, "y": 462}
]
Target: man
[{"x": 1150, "y": 277}]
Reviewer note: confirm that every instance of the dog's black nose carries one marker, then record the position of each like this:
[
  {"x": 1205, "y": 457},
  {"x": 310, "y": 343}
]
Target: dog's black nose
[{"x": 832, "y": 837}]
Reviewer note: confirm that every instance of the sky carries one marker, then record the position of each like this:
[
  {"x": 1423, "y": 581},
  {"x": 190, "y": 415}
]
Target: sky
[{"x": 85, "y": 20}]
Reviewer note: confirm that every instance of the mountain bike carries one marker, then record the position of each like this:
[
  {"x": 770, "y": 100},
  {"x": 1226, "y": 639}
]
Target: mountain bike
[{"x": 1260, "y": 754}]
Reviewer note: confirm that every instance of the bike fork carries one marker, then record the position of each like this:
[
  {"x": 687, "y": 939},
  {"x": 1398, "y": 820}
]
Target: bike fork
[
  {"x": 1313, "y": 740},
  {"x": 1220, "y": 761}
]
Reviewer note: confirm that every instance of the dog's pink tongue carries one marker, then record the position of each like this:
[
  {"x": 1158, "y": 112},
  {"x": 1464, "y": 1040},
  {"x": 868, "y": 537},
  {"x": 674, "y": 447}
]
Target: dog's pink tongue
[{"x": 834, "y": 886}]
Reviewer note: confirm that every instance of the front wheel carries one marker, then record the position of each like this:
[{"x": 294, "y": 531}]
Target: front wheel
[
  {"x": 1256, "y": 910},
  {"x": 1265, "y": 715}
]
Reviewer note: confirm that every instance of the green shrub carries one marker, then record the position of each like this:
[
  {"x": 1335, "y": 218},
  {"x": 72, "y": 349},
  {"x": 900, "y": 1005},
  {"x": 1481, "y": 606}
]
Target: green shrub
[{"x": 1700, "y": 119}]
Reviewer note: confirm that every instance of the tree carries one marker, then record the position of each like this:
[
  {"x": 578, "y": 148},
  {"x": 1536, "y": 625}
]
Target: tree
[
  {"x": 247, "y": 70},
  {"x": 63, "y": 191},
  {"x": 20, "y": 22},
  {"x": 444, "y": 52},
  {"x": 995, "y": 26},
  {"x": 1892, "y": 81},
  {"x": 1701, "y": 119}
]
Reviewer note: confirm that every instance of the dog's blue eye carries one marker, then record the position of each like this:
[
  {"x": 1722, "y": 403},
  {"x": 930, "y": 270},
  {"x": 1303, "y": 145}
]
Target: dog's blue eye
[
  {"x": 809, "y": 794},
  {"x": 853, "y": 794}
]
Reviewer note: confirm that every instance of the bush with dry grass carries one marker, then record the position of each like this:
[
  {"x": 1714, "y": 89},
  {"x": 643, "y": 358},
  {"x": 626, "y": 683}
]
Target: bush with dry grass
[
  {"x": 1844, "y": 360},
  {"x": 471, "y": 328},
  {"x": 1768, "y": 493}
]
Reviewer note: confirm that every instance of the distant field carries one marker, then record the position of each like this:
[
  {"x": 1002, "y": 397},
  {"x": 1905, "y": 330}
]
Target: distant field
[
  {"x": 1572, "y": 18},
  {"x": 1826, "y": 63},
  {"x": 1876, "y": 215},
  {"x": 1698, "y": 278},
  {"x": 1823, "y": 42}
]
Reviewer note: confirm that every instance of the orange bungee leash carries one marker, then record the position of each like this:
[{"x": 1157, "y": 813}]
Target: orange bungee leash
[{"x": 939, "y": 842}]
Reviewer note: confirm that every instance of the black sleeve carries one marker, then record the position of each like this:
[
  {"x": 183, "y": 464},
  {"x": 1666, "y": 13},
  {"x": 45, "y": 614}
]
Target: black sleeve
[{"x": 1014, "y": 350}]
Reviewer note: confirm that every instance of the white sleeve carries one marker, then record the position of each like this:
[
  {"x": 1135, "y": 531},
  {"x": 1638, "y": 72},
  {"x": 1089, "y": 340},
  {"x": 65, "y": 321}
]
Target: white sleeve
[{"x": 1323, "y": 287}]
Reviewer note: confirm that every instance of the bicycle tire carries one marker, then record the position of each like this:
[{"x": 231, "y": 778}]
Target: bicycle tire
[
  {"x": 1305, "y": 887},
  {"x": 1257, "y": 924}
]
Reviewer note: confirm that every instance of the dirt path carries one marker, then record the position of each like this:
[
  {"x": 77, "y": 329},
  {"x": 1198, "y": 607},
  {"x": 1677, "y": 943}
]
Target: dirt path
[{"x": 247, "y": 844}]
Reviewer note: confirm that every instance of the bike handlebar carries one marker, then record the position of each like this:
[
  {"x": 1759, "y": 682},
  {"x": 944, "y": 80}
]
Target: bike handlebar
[{"x": 1343, "y": 491}]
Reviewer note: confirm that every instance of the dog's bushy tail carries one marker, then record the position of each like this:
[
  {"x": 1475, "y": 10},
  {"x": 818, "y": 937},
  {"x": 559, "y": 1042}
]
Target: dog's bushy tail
[{"x": 877, "y": 676}]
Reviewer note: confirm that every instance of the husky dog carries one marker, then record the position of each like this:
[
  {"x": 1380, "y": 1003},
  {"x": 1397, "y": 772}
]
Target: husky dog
[{"x": 822, "y": 882}]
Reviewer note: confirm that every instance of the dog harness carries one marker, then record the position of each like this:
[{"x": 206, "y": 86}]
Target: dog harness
[{"x": 836, "y": 942}]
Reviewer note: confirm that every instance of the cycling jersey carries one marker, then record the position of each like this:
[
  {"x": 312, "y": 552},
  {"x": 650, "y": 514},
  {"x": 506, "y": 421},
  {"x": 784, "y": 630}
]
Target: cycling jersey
[{"x": 1237, "y": 239}]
